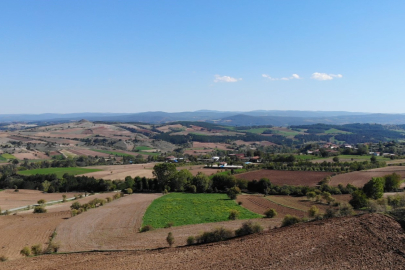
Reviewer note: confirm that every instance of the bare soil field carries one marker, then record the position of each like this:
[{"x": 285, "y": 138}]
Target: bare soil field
[
  {"x": 295, "y": 178},
  {"x": 10, "y": 199},
  {"x": 220, "y": 146},
  {"x": 359, "y": 178},
  {"x": 200, "y": 168},
  {"x": 113, "y": 226},
  {"x": 369, "y": 241},
  {"x": 18, "y": 231},
  {"x": 31, "y": 155},
  {"x": 86, "y": 152},
  {"x": 119, "y": 172}
]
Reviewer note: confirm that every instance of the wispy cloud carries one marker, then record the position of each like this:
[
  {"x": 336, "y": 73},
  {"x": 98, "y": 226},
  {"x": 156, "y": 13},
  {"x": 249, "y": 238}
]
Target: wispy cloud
[
  {"x": 219, "y": 78},
  {"x": 325, "y": 77},
  {"x": 293, "y": 77}
]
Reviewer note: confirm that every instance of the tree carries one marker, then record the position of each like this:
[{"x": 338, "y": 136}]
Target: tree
[
  {"x": 233, "y": 193},
  {"x": 374, "y": 188},
  {"x": 45, "y": 185},
  {"x": 359, "y": 199},
  {"x": 392, "y": 182},
  {"x": 202, "y": 182},
  {"x": 164, "y": 173},
  {"x": 270, "y": 213},
  {"x": 129, "y": 181},
  {"x": 170, "y": 239},
  {"x": 336, "y": 159},
  {"x": 181, "y": 179},
  {"x": 311, "y": 195},
  {"x": 313, "y": 211},
  {"x": 233, "y": 214},
  {"x": 373, "y": 159}
]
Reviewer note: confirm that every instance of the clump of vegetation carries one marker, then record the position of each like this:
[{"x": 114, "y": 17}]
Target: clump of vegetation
[
  {"x": 146, "y": 228},
  {"x": 108, "y": 199},
  {"x": 345, "y": 210},
  {"x": 216, "y": 235},
  {"x": 191, "y": 240},
  {"x": 233, "y": 192},
  {"x": 41, "y": 202},
  {"x": 3, "y": 258},
  {"x": 169, "y": 225},
  {"x": 39, "y": 210},
  {"x": 330, "y": 213},
  {"x": 249, "y": 228},
  {"x": 233, "y": 214},
  {"x": 128, "y": 191},
  {"x": 311, "y": 195},
  {"x": 313, "y": 211},
  {"x": 290, "y": 220},
  {"x": 26, "y": 251},
  {"x": 359, "y": 199},
  {"x": 270, "y": 213},
  {"x": 170, "y": 239},
  {"x": 36, "y": 250},
  {"x": 117, "y": 196},
  {"x": 63, "y": 198}
]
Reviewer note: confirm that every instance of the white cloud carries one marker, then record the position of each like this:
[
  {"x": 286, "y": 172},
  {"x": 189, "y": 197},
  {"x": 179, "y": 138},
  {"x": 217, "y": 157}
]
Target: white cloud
[
  {"x": 226, "y": 79},
  {"x": 294, "y": 76},
  {"x": 325, "y": 77}
]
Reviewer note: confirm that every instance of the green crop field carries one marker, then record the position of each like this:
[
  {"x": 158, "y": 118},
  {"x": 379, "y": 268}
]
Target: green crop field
[
  {"x": 142, "y": 148},
  {"x": 2, "y": 159},
  {"x": 336, "y": 131},
  {"x": 185, "y": 208},
  {"x": 8, "y": 156},
  {"x": 59, "y": 171}
]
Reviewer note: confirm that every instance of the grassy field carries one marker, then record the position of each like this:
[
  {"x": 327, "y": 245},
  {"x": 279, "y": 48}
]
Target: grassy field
[
  {"x": 286, "y": 133},
  {"x": 2, "y": 159},
  {"x": 8, "y": 156},
  {"x": 59, "y": 171},
  {"x": 184, "y": 208},
  {"x": 142, "y": 148},
  {"x": 336, "y": 131},
  {"x": 113, "y": 153}
]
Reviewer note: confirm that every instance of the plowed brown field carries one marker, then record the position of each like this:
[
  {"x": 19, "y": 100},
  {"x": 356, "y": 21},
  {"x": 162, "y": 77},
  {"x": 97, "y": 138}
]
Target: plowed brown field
[
  {"x": 294, "y": 178},
  {"x": 362, "y": 242},
  {"x": 359, "y": 178}
]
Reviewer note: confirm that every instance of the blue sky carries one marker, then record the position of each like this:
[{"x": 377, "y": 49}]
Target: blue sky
[{"x": 134, "y": 56}]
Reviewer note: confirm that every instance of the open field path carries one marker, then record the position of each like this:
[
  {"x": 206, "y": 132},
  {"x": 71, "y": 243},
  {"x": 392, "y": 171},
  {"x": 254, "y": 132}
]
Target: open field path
[{"x": 369, "y": 241}]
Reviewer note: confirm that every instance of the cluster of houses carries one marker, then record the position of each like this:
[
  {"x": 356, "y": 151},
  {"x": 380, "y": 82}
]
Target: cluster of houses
[{"x": 329, "y": 147}]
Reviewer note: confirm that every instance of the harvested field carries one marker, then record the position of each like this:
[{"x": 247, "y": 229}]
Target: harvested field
[
  {"x": 200, "y": 168},
  {"x": 294, "y": 178},
  {"x": 18, "y": 231},
  {"x": 260, "y": 204},
  {"x": 119, "y": 172},
  {"x": 369, "y": 241},
  {"x": 112, "y": 226},
  {"x": 359, "y": 178},
  {"x": 10, "y": 199},
  {"x": 221, "y": 146},
  {"x": 59, "y": 171},
  {"x": 86, "y": 152}
]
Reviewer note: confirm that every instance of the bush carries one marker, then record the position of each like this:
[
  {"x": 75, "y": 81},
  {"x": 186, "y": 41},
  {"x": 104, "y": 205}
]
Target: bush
[
  {"x": 108, "y": 199},
  {"x": 41, "y": 201},
  {"x": 345, "y": 210},
  {"x": 36, "y": 250},
  {"x": 290, "y": 220},
  {"x": 313, "y": 211},
  {"x": 75, "y": 205},
  {"x": 26, "y": 251},
  {"x": 74, "y": 212},
  {"x": 311, "y": 195},
  {"x": 249, "y": 228},
  {"x": 129, "y": 191},
  {"x": 170, "y": 239},
  {"x": 63, "y": 198},
  {"x": 233, "y": 192},
  {"x": 190, "y": 240},
  {"x": 3, "y": 258},
  {"x": 330, "y": 213},
  {"x": 270, "y": 213},
  {"x": 359, "y": 199},
  {"x": 233, "y": 214},
  {"x": 146, "y": 228},
  {"x": 53, "y": 247},
  {"x": 39, "y": 210},
  {"x": 116, "y": 196},
  {"x": 216, "y": 235}
]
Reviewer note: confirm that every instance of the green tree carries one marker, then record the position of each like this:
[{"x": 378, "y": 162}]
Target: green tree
[
  {"x": 129, "y": 181},
  {"x": 313, "y": 211},
  {"x": 374, "y": 188},
  {"x": 170, "y": 239},
  {"x": 336, "y": 159},
  {"x": 233, "y": 192},
  {"x": 180, "y": 181},
  {"x": 45, "y": 185},
  {"x": 202, "y": 182},
  {"x": 359, "y": 199},
  {"x": 392, "y": 182},
  {"x": 164, "y": 173}
]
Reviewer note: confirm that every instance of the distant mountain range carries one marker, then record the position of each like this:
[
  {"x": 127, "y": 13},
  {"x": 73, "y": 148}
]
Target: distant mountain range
[{"x": 235, "y": 118}]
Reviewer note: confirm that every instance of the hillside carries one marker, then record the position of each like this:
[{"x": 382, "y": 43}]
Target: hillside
[{"x": 370, "y": 241}]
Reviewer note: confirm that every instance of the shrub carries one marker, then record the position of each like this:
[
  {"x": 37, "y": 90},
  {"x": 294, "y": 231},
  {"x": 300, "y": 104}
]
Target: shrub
[
  {"x": 330, "y": 213},
  {"x": 39, "y": 210},
  {"x": 233, "y": 192},
  {"x": 240, "y": 203},
  {"x": 53, "y": 247},
  {"x": 345, "y": 210},
  {"x": 117, "y": 196},
  {"x": 270, "y": 213},
  {"x": 374, "y": 188},
  {"x": 290, "y": 220},
  {"x": 36, "y": 250},
  {"x": 74, "y": 212},
  {"x": 359, "y": 199},
  {"x": 190, "y": 240},
  {"x": 216, "y": 235},
  {"x": 108, "y": 199},
  {"x": 129, "y": 191},
  {"x": 311, "y": 195},
  {"x": 63, "y": 198},
  {"x": 170, "y": 239},
  {"x": 41, "y": 201},
  {"x": 3, "y": 258},
  {"x": 26, "y": 251},
  {"x": 233, "y": 214},
  {"x": 75, "y": 205},
  {"x": 146, "y": 228},
  {"x": 169, "y": 225},
  {"x": 248, "y": 228},
  {"x": 313, "y": 211}
]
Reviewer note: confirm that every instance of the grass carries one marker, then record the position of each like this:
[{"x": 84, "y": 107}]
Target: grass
[
  {"x": 142, "y": 148},
  {"x": 306, "y": 157},
  {"x": 8, "y": 156},
  {"x": 357, "y": 157},
  {"x": 113, "y": 153},
  {"x": 2, "y": 159},
  {"x": 59, "y": 171},
  {"x": 336, "y": 131},
  {"x": 185, "y": 208}
]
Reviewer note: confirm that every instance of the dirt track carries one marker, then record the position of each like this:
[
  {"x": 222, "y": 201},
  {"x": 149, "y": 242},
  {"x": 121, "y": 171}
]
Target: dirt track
[
  {"x": 359, "y": 178},
  {"x": 361, "y": 242}
]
